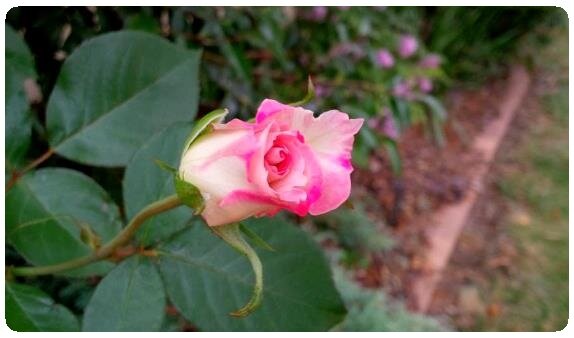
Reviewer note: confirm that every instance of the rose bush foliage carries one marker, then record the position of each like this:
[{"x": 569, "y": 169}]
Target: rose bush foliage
[
  {"x": 285, "y": 144},
  {"x": 110, "y": 110}
]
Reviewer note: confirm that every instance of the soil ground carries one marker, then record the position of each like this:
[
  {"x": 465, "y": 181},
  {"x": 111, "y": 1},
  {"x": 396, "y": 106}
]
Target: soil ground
[{"x": 509, "y": 271}]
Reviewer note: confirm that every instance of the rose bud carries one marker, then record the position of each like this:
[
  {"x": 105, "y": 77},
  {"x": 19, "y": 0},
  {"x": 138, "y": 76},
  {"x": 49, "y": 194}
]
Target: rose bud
[
  {"x": 286, "y": 159},
  {"x": 408, "y": 45}
]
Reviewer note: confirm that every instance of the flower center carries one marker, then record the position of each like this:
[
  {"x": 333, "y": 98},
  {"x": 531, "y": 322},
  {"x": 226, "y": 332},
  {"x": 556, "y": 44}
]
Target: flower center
[{"x": 277, "y": 162}]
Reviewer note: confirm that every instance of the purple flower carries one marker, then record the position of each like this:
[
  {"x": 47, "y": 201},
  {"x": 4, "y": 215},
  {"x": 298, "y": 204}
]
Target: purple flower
[
  {"x": 408, "y": 45},
  {"x": 347, "y": 48},
  {"x": 403, "y": 90},
  {"x": 431, "y": 61},
  {"x": 319, "y": 13},
  {"x": 390, "y": 129},
  {"x": 322, "y": 91},
  {"x": 373, "y": 123},
  {"x": 385, "y": 59},
  {"x": 385, "y": 124},
  {"x": 425, "y": 85}
]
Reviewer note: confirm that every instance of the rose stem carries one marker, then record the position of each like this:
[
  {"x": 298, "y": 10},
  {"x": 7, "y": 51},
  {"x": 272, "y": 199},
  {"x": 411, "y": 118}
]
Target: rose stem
[
  {"x": 123, "y": 237},
  {"x": 19, "y": 173}
]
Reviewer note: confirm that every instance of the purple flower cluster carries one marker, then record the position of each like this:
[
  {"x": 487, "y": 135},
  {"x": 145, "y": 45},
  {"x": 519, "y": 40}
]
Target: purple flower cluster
[
  {"x": 408, "y": 46},
  {"x": 347, "y": 49},
  {"x": 319, "y": 13},
  {"x": 385, "y": 125},
  {"x": 431, "y": 61},
  {"x": 385, "y": 59}
]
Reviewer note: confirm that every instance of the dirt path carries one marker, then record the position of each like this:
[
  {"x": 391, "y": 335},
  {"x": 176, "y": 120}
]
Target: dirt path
[{"x": 445, "y": 225}]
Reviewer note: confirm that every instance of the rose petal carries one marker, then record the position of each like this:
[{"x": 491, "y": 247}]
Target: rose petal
[
  {"x": 217, "y": 166},
  {"x": 332, "y": 133},
  {"x": 330, "y": 138},
  {"x": 269, "y": 107},
  {"x": 335, "y": 189}
]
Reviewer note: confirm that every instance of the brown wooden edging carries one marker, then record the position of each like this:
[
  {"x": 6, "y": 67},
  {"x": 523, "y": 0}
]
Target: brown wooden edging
[{"x": 446, "y": 224}]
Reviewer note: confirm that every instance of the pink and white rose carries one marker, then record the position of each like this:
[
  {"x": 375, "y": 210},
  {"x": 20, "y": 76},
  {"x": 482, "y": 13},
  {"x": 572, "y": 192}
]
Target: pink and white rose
[{"x": 286, "y": 159}]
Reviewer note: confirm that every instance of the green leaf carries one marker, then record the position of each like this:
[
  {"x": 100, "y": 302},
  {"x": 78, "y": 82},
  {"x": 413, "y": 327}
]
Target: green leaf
[
  {"x": 394, "y": 155},
  {"x": 435, "y": 106},
  {"x": 117, "y": 90},
  {"x": 18, "y": 120},
  {"x": 274, "y": 36},
  {"x": 18, "y": 67},
  {"x": 143, "y": 22},
  {"x": 437, "y": 117},
  {"x": 164, "y": 146},
  {"x": 356, "y": 231},
  {"x": 46, "y": 211},
  {"x": 130, "y": 298},
  {"x": 234, "y": 55},
  {"x": 206, "y": 279},
  {"x": 18, "y": 54},
  {"x": 30, "y": 309},
  {"x": 231, "y": 234}
]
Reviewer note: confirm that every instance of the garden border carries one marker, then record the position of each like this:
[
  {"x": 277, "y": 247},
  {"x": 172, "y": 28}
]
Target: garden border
[{"x": 445, "y": 224}]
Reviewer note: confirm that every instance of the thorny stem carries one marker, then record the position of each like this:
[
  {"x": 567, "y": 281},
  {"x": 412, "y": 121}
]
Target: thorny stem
[{"x": 107, "y": 250}]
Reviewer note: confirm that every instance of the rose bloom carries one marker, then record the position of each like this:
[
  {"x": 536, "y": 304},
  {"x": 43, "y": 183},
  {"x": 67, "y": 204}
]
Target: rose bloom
[
  {"x": 431, "y": 61},
  {"x": 385, "y": 58},
  {"x": 285, "y": 159},
  {"x": 408, "y": 45}
]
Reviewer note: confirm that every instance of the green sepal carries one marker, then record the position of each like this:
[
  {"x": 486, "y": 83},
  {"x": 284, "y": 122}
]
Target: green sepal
[
  {"x": 255, "y": 237},
  {"x": 200, "y": 126},
  {"x": 163, "y": 165},
  {"x": 231, "y": 234},
  {"x": 310, "y": 94},
  {"x": 189, "y": 194}
]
